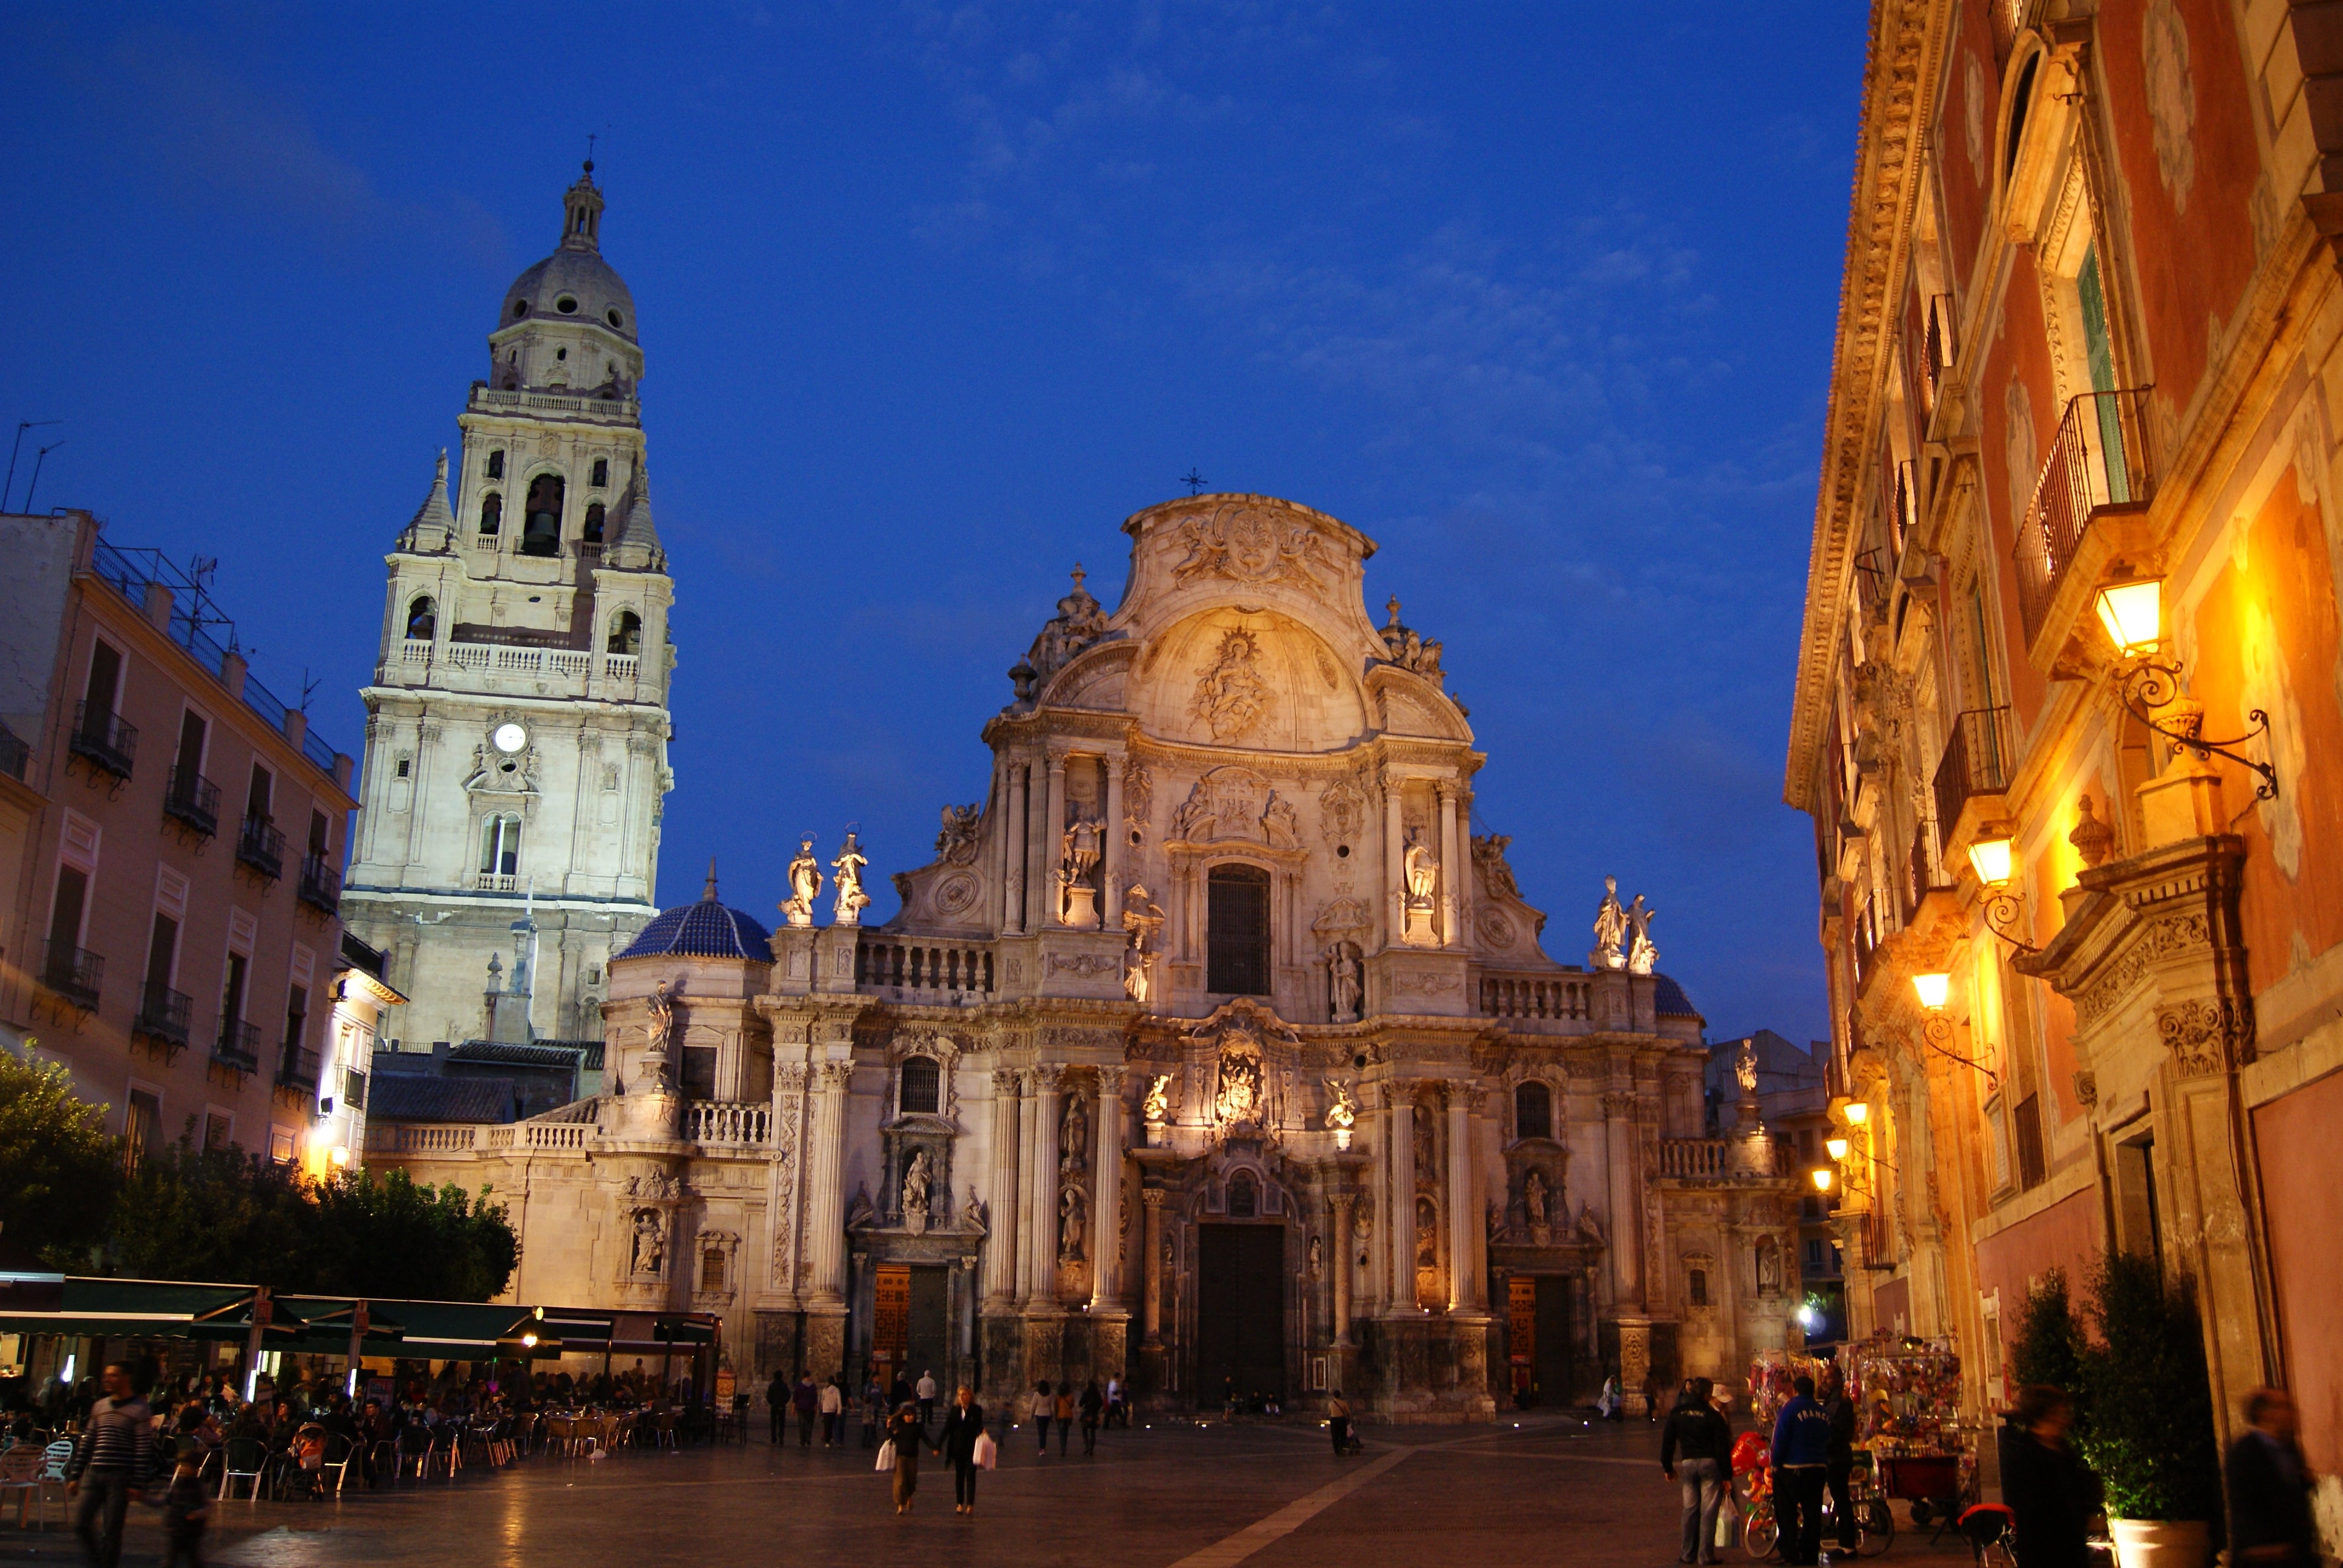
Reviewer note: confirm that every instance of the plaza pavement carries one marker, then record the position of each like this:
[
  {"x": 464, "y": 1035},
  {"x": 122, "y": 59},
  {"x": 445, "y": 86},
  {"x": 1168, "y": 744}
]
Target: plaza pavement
[{"x": 1178, "y": 1495}]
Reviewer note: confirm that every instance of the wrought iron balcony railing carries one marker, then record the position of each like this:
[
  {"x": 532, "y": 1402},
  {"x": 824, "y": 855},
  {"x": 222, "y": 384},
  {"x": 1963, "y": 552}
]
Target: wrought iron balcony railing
[
  {"x": 321, "y": 884},
  {"x": 75, "y": 973},
  {"x": 163, "y": 1013},
  {"x": 261, "y": 846},
  {"x": 1976, "y": 761},
  {"x": 2099, "y": 462},
  {"x": 102, "y": 739},
  {"x": 190, "y": 798},
  {"x": 238, "y": 1046}
]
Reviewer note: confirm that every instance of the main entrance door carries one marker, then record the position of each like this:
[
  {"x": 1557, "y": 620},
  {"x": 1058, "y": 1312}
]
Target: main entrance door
[
  {"x": 908, "y": 1322},
  {"x": 1240, "y": 1312},
  {"x": 1537, "y": 1334}
]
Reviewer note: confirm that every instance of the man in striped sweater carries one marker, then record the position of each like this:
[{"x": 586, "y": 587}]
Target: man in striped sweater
[{"x": 110, "y": 1465}]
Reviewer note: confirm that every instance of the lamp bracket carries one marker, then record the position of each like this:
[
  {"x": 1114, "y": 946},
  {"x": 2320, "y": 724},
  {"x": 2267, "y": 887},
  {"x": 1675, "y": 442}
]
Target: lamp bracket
[
  {"x": 2151, "y": 684},
  {"x": 2001, "y": 907},
  {"x": 1937, "y": 1033}
]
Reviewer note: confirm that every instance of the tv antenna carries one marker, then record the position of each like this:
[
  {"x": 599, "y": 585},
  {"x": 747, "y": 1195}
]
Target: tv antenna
[
  {"x": 33, "y": 483},
  {"x": 15, "y": 447}
]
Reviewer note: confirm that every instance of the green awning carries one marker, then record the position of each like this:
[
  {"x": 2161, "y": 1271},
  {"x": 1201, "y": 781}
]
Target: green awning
[{"x": 142, "y": 1308}]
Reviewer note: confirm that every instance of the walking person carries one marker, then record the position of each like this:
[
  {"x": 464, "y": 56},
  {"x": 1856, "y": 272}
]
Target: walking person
[
  {"x": 1338, "y": 1421},
  {"x": 963, "y": 1425},
  {"x": 2270, "y": 1488},
  {"x": 874, "y": 1410},
  {"x": 109, "y": 1465},
  {"x": 185, "y": 1507},
  {"x": 2051, "y": 1493},
  {"x": 1801, "y": 1460},
  {"x": 1093, "y": 1404},
  {"x": 1838, "y": 1475},
  {"x": 1118, "y": 1413},
  {"x": 1656, "y": 1393},
  {"x": 1609, "y": 1405},
  {"x": 833, "y": 1411},
  {"x": 1695, "y": 1445},
  {"x": 927, "y": 1391},
  {"x": 808, "y": 1402},
  {"x": 1064, "y": 1411},
  {"x": 1044, "y": 1407},
  {"x": 903, "y": 1432}
]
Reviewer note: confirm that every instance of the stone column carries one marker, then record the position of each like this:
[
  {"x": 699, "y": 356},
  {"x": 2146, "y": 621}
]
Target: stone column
[
  {"x": 1452, "y": 870},
  {"x": 1399, "y": 1182},
  {"x": 1012, "y": 852},
  {"x": 1052, "y": 828},
  {"x": 1392, "y": 905},
  {"x": 1152, "y": 1266},
  {"x": 1047, "y": 1081},
  {"x": 1106, "y": 1207},
  {"x": 1467, "y": 1235},
  {"x": 1000, "y": 1246},
  {"x": 1024, "y": 1200},
  {"x": 1343, "y": 1260},
  {"x": 1114, "y": 842},
  {"x": 1042, "y": 841},
  {"x": 1626, "y": 1197},
  {"x": 825, "y": 1209}
]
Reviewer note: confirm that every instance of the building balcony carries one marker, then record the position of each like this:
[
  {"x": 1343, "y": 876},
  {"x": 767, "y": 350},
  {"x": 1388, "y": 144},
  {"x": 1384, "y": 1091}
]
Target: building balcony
[
  {"x": 103, "y": 740},
  {"x": 321, "y": 884},
  {"x": 1972, "y": 781},
  {"x": 1725, "y": 1160},
  {"x": 237, "y": 1047},
  {"x": 2096, "y": 479},
  {"x": 261, "y": 846},
  {"x": 916, "y": 970},
  {"x": 1536, "y": 994},
  {"x": 15, "y": 757},
  {"x": 71, "y": 972},
  {"x": 192, "y": 801},
  {"x": 298, "y": 1068},
  {"x": 163, "y": 1014},
  {"x": 726, "y": 1123}
]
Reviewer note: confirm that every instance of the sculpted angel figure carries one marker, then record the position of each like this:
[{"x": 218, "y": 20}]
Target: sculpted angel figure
[
  {"x": 1641, "y": 954},
  {"x": 805, "y": 884},
  {"x": 1422, "y": 871},
  {"x": 852, "y": 900},
  {"x": 1157, "y": 1106},
  {"x": 1610, "y": 926},
  {"x": 1342, "y": 1105}
]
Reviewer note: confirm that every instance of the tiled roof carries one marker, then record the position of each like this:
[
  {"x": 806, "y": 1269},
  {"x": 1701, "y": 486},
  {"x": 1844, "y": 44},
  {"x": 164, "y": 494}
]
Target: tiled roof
[
  {"x": 539, "y": 1054},
  {"x": 1670, "y": 1001},
  {"x": 401, "y": 1097},
  {"x": 706, "y": 930}
]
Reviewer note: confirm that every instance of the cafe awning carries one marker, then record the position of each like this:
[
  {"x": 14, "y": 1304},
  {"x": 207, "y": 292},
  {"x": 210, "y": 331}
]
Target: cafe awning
[{"x": 135, "y": 1309}]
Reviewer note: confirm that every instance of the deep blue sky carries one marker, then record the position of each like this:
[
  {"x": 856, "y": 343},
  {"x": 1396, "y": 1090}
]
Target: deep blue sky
[{"x": 1538, "y": 297}]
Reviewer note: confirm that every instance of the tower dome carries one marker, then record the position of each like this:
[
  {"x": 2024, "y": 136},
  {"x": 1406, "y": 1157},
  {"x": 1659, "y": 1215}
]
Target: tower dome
[
  {"x": 574, "y": 283},
  {"x": 706, "y": 930}
]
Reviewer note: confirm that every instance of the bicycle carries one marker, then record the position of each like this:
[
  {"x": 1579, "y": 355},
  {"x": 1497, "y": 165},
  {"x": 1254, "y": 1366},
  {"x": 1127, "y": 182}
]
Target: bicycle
[{"x": 1874, "y": 1522}]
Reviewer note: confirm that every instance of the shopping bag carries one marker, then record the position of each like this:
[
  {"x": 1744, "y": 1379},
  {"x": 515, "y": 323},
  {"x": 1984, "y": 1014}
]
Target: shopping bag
[
  {"x": 1728, "y": 1525},
  {"x": 988, "y": 1453},
  {"x": 886, "y": 1457}
]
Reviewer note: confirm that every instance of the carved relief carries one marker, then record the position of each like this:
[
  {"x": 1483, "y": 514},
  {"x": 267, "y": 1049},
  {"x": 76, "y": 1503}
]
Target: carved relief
[
  {"x": 1232, "y": 697},
  {"x": 2207, "y": 1034},
  {"x": 1343, "y": 812},
  {"x": 1138, "y": 795},
  {"x": 956, "y": 845},
  {"x": 1241, "y": 543}
]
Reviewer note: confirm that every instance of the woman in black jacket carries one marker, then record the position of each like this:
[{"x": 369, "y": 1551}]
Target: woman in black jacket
[
  {"x": 963, "y": 1424},
  {"x": 2051, "y": 1493}
]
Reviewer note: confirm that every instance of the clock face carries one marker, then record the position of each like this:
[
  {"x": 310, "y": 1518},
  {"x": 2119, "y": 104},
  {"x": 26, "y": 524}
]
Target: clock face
[{"x": 508, "y": 738}]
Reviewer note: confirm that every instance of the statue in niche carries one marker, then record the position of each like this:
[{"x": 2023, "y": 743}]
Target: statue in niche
[
  {"x": 1078, "y": 857},
  {"x": 1609, "y": 928},
  {"x": 1641, "y": 954},
  {"x": 1080, "y": 846},
  {"x": 1344, "y": 989},
  {"x": 1421, "y": 870},
  {"x": 805, "y": 884},
  {"x": 1427, "y": 1158},
  {"x": 1281, "y": 824},
  {"x": 917, "y": 1182},
  {"x": 1317, "y": 1256},
  {"x": 1073, "y": 1139},
  {"x": 1239, "y": 1098},
  {"x": 1143, "y": 919},
  {"x": 956, "y": 845},
  {"x": 651, "y": 1241},
  {"x": 1157, "y": 1107},
  {"x": 852, "y": 900},
  {"x": 1533, "y": 1198},
  {"x": 1071, "y": 1225},
  {"x": 1769, "y": 1267},
  {"x": 1231, "y": 695}
]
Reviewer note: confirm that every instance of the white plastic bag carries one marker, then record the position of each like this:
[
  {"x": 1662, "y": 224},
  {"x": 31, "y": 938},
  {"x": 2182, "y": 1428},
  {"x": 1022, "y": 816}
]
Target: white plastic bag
[
  {"x": 988, "y": 1453},
  {"x": 1728, "y": 1525},
  {"x": 886, "y": 1455}
]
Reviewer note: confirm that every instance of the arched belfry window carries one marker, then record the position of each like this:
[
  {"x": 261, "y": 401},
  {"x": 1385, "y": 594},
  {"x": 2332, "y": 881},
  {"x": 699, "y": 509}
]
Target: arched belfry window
[
  {"x": 500, "y": 846},
  {"x": 541, "y": 533},
  {"x": 920, "y": 1087},
  {"x": 492, "y": 515},
  {"x": 626, "y": 632},
  {"x": 422, "y": 618},
  {"x": 1236, "y": 916},
  {"x": 497, "y": 464},
  {"x": 592, "y": 533},
  {"x": 1532, "y": 1111}
]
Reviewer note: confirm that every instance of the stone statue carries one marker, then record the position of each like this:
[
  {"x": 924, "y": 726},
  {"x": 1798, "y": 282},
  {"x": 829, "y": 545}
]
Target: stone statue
[
  {"x": 1143, "y": 919},
  {"x": 1240, "y": 1091},
  {"x": 1078, "y": 857},
  {"x": 1073, "y": 1138},
  {"x": 1422, "y": 871},
  {"x": 1533, "y": 1198},
  {"x": 1343, "y": 990},
  {"x": 1081, "y": 848},
  {"x": 1069, "y": 1225},
  {"x": 917, "y": 1181},
  {"x": 1609, "y": 928},
  {"x": 977, "y": 1214},
  {"x": 1769, "y": 1267},
  {"x": 956, "y": 845},
  {"x": 1744, "y": 1067},
  {"x": 661, "y": 1030},
  {"x": 651, "y": 1241},
  {"x": 1590, "y": 1225},
  {"x": 1342, "y": 1106},
  {"x": 1317, "y": 1255},
  {"x": 861, "y": 1208},
  {"x": 852, "y": 900},
  {"x": 1641, "y": 954},
  {"x": 805, "y": 884},
  {"x": 1157, "y": 1107}
]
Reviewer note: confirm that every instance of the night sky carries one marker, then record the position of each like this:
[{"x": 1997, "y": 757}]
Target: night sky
[{"x": 1539, "y": 297}]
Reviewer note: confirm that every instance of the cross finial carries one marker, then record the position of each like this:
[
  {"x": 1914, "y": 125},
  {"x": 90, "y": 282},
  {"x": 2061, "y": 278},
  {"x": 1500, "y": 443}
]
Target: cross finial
[
  {"x": 590, "y": 152},
  {"x": 1192, "y": 479},
  {"x": 709, "y": 896}
]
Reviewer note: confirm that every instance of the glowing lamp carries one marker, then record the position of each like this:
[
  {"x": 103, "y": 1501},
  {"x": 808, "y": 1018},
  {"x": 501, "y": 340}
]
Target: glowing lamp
[
  {"x": 340, "y": 1154},
  {"x": 1857, "y": 1113},
  {"x": 2133, "y": 613},
  {"x": 1994, "y": 858},
  {"x": 1933, "y": 989},
  {"x": 1837, "y": 1147},
  {"x": 1822, "y": 1175},
  {"x": 529, "y": 1342}
]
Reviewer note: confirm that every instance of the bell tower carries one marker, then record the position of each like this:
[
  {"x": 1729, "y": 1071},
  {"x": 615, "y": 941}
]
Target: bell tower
[{"x": 517, "y": 731}]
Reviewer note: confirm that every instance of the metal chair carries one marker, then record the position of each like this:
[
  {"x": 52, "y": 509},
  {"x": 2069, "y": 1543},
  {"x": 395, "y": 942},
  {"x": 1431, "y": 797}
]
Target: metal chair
[
  {"x": 339, "y": 1452},
  {"x": 246, "y": 1460},
  {"x": 20, "y": 1472}
]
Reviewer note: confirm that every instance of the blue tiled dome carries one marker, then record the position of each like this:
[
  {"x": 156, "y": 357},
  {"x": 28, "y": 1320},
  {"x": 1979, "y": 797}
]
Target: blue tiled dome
[
  {"x": 707, "y": 930},
  {"x": 1668, "y": 998}
]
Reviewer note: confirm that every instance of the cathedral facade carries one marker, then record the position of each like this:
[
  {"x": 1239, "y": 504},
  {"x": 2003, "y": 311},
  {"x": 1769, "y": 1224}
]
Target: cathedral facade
[
  {"x": 517, "y": 724},
  {"x": 1212, "y": 1050}
]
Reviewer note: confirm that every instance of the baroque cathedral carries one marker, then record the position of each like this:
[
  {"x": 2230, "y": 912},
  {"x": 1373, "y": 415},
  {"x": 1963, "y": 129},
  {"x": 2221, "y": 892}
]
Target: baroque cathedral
[{"x": 1212, "y": 1048}]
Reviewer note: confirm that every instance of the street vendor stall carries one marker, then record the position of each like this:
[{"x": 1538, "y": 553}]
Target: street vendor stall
[{"x": 1911, "y": 1420}]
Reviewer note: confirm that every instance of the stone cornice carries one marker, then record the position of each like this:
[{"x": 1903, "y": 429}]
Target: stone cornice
[{"x": 1901, "y": 64}]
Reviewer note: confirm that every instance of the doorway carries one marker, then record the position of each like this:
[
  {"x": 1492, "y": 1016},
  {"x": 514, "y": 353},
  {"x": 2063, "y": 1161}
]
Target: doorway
[
  {"x": 1240, "y": 1312},
  {"x": 910, "y": 1322},
  {"x": 1537, "y": 1328}
]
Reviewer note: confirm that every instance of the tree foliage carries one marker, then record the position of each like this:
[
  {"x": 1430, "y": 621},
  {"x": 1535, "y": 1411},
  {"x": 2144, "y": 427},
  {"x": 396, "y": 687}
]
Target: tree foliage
[
  {"x": 393, "y": 1238},
  {"x": 2050, "y": 1341},
  {"x": 58, "y": 1168},
  {"x": 2151, "y": 1436}
]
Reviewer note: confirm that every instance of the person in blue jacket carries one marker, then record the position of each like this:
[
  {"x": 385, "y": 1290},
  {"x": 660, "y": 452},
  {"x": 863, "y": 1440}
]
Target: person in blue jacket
[{"x": 1801, "y": 1460}]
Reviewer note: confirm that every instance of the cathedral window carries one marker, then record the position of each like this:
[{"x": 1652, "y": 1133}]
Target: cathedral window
[
  {"x": 1237, "y": 922},
  {"x": 593, "y": 531},
  {"x": 492, "y": 515},
  {"x": 626, "y": 632},
  {"x": 922, "y": 1081},
  {"x": 541, "y": 533},
  {"x": 500, "y": 846},
  {"x": 1244, "y": 1196},
  {"x": 497, "y": 464},
  {"x": 1696, "y": 1286},
  {"x": 602, "y": 472},
  {"x": 1533, "y": 1111},
  {"x": 422, "y": 620},
  {"x": 699, "y": 1071},
  {"x": 711, "y": 1270}
]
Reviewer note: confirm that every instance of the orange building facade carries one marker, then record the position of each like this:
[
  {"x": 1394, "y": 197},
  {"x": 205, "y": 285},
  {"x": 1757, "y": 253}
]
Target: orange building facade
[{"x": 2088, "y": 341}]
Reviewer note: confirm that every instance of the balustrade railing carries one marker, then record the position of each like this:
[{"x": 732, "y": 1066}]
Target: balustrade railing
[
  {"x": 2099, "y": 461},
  {"x": 420, "y": 1138},
  {"x": 1976, "y": 761},
  {"x": 732, "y": 1121},
  {"x": 955, "y": 968},
  {"x": 1535, "y": 996}
]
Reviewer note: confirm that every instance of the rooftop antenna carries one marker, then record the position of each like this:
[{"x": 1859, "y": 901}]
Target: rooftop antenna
[
  {"x": 1192, "y": 479},
  {"x": 590, "y": 152},
  {"x": 308, "y": 689},
  {"x": 14, "y": 447},
  {"x": 35, "y": 483}
]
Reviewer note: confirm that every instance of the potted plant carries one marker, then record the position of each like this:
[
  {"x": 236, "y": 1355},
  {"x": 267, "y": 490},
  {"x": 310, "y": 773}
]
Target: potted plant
[{"x": 2150, "y": 1436}]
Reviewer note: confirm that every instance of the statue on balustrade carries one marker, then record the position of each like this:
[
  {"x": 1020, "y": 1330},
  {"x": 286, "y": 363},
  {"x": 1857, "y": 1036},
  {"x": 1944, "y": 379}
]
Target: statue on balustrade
[
  {"x": 1641, "y": 954},
  {"x": 852, "y": 900},
  {"x": 805, "y": 884},
  {"x": 1609, "y": 928}
]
